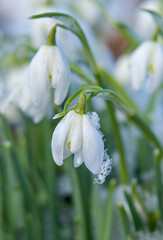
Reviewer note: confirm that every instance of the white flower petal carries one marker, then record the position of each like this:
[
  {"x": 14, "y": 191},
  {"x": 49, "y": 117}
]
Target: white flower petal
[
  {"x": 66, "y": 152},
  {"x": 93, "y": 146},
  {"x": 74, "y": 137},
  {"x": 158, "y": 67},
  {"x": 59, "y": 137},
  {"x": 139, "y": 64},
  {"x": 78, "y": 158},
  {"x": 60, "y": 76},
  {"x": 38, "y": 76}
]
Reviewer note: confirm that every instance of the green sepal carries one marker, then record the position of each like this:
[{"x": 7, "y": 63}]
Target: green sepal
[{"x": 81, "y": 104}]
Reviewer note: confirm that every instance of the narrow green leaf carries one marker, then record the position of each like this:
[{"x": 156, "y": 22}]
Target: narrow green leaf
[
  {"x": 139, "y": 225},
  {"x": 50, "y": 179},
  {"x": 125, "y": 222},
  {"x": 13, "y": 194},
  {"x": 97, "y": 211},
  {"x": 108, "y": 212},
  {"x": 82, "y": 228}
]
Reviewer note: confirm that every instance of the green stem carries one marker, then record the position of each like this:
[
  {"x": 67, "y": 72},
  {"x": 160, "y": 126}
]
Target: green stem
[
  {"x": 67, "y": 103},
  {"x": 145, "y": 128},
  {"x": 153, "y": 99},
  {"x": 155, "y": 34},
  {"x": 123, "y": 167},
  {"x": 51, "y": 40}
]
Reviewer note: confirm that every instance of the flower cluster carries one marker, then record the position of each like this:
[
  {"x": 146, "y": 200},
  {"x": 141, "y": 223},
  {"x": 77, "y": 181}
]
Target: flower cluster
[{"x": 76, "y": 133}]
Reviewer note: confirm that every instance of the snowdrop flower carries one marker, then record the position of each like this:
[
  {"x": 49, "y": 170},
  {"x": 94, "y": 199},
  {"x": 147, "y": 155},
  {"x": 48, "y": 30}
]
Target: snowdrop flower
[
  {"x": 146, "y": 66},
  {"x": 144, "y": 22},
  {"x": 49, "y": 67},
  {"x": 79, "y": 134},
  {"x": 15, "y": 96}
]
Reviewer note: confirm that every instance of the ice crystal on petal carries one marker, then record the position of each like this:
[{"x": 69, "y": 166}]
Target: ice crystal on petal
[{"x": 105, "y": 169}]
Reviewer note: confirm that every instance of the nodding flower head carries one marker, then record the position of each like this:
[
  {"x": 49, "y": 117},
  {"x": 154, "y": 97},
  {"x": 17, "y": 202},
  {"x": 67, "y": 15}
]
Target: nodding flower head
[
  {"x": 146, "y": 66},
  {"x": 49, "y": 67},
  {"x": 79, "y": 134}
]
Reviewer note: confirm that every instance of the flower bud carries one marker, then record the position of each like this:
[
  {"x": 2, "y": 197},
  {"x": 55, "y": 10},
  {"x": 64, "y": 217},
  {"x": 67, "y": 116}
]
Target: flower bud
[{"x": 146, "y": 69}]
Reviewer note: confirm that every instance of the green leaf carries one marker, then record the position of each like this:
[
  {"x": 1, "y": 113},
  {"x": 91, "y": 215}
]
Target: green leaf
[
  {"x": 125, "y": 222},
  {"x": 97, "y": 212},
  {"x": 139, "y": 225},
  {"x": 108, "y": 211},
  {"x": 82, "y": 230}
]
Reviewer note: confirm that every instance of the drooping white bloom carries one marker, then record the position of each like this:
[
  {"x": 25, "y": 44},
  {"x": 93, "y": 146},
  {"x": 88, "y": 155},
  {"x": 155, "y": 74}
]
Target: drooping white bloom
[
  {"x": 146, "y": 66},
  {"x": 49, "y": 67},
  {"x": 144, "y": 22},
  {"x": 79, "y": 134},
  {"x": 14, "y": 96}
]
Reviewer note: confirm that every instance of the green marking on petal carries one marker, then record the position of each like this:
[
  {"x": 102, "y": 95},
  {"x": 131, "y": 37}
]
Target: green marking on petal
[
  {"x": 50, "y": 77},
  {"x": 151, "y": 68},
  {"x": 69, "y": 145}
]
